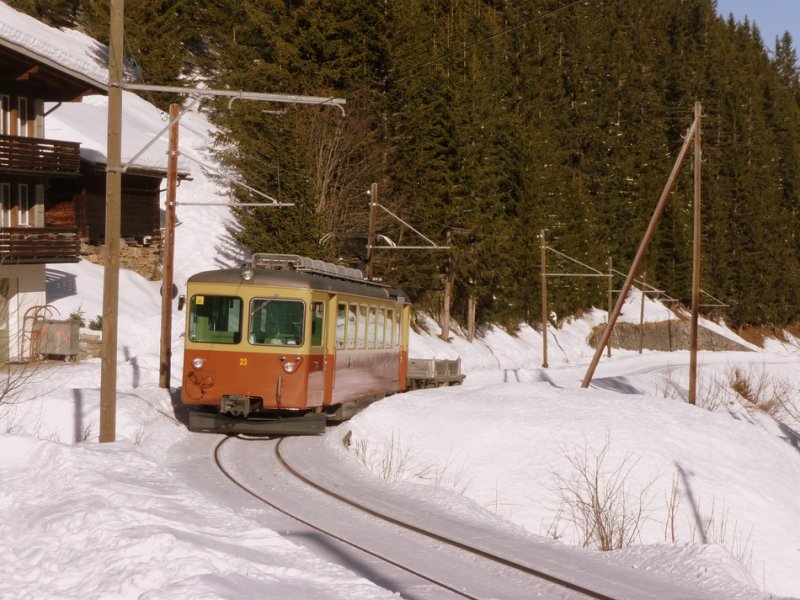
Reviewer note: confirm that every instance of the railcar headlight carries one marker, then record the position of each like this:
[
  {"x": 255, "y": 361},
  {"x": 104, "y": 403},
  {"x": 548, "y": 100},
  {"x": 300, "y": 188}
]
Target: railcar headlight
[
  {"x": 198, "y": 362},
  {"x": 290, "y": 366}
]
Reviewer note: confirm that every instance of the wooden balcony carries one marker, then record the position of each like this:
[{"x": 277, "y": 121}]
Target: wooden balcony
[
  {"x": 26, "y": 155},
  {"x": 34, "y": 245}
]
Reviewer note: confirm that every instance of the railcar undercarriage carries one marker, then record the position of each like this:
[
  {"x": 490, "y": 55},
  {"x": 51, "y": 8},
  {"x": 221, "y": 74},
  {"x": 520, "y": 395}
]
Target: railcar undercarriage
[{"x": 310, "y": 423}]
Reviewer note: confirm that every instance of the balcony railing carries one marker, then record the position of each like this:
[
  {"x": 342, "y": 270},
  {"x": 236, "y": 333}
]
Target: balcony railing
[
  {"x": 26, "y": 154},
  {"x": 27, "y": 245}
]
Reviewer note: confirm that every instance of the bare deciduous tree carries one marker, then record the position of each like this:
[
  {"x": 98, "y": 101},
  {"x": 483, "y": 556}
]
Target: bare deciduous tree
[{"x": 345, "y": 162}]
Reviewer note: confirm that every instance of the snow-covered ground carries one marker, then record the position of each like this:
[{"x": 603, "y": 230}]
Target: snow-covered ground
[
  {"x": 83, "y": 519},
  {"x": 711, "y": 492}
]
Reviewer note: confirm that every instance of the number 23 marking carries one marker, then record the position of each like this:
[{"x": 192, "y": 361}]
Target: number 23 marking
[{"x": 242, "y": 362}]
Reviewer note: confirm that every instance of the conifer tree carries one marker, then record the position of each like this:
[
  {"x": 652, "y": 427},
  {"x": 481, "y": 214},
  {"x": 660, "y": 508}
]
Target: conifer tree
[
  {"x": 57, "y": 13},
  {"x": 481, "y": 132}
]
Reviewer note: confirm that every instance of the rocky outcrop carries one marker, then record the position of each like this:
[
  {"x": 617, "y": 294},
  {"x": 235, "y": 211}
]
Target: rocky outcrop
[
  {"x": 145, "y": 260},
  {"x": 664, "y": 336}
]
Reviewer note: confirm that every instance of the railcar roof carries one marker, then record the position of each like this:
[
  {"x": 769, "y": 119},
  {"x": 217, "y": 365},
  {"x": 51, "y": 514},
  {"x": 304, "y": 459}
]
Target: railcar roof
[{"x": 300, "y": 280}]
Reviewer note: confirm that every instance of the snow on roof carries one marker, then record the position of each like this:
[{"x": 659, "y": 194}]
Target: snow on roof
[
  {"x": 87, "y": 122},
  {"x": 69, "y": 51},
  {"x": 83, "y": 57}
]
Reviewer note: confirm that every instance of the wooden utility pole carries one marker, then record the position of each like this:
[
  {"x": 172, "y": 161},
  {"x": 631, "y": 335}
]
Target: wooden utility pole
[
  {"x": 639, "y": 258},
  {"x": 610, "y": 294},
  {"x": 169, "y": 250},
  {"x": 698, "y": 159},
  {"x": 373, "y": 208},
  {"x": 641, "y": 314},
  {"x": 108, "y": 374},
  {"x": 544, "y": 299}
]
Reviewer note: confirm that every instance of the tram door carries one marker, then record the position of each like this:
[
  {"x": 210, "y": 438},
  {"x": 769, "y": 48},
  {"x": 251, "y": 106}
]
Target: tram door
[
  {"x": 318, "y": 366},
  {"x": 337, "y": 310}
]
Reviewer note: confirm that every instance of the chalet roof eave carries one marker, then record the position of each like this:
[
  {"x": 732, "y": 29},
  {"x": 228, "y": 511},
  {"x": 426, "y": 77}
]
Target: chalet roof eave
[
  {"x": 93, "y": 85},
  {"x": 138, "y": 169}
]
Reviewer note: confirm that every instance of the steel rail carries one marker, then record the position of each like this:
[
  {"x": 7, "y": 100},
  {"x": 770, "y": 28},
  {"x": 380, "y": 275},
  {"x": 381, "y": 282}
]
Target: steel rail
[
  {"x": 441, "y": 538},
  {"x": 324, "y": 531}
]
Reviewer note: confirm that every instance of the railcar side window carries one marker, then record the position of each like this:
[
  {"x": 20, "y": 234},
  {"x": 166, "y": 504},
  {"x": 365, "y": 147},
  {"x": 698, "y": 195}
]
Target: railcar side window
[
  {"x": 381, "y": 326},
  {"x": 215, "y": 319},
  {"x": 276, "y": 322},
  {"x": 352, "y": 318},
  {"x": 397, "y": 329},
  {"x": 388, "y": 335},
  {"x": 362, "y": 326},
  {"x": 371, "y": 328},
  {"x": 341, "y": 319}
]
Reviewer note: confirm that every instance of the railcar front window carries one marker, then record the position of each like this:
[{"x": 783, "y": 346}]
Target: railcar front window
[
  {"x": 215, "y": 319},
  {"x": 276, "y": 322}
]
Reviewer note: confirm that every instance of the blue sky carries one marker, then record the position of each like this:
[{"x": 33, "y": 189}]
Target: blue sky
[{"x": 773, "y": 17}]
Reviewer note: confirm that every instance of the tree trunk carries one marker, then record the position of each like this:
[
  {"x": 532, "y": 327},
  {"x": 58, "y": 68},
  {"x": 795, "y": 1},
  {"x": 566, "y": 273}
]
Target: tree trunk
[
  {"x": 472, "y": 306},
  {"x": 444, "y": 319}
]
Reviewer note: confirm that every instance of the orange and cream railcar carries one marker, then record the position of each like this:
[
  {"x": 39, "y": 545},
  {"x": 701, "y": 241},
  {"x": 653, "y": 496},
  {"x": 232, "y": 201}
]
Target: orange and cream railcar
[{"x": 287, "y": 343}]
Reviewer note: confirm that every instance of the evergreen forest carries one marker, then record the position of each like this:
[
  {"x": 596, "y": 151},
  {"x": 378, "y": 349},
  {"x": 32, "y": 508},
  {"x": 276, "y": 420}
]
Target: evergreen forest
[{"x": 484, "y": 122}]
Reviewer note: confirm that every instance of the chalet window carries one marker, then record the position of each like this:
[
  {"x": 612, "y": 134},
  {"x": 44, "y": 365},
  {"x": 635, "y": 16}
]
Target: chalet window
[
  {"x": 22, "y": 117},
  {"x": 37, "y": 206},
  {"x": 5, "y": 205},
  {"x": 38, "y": 118},
  {"x": 5, "y": 114},
  {"x": 23, "y": 202}
]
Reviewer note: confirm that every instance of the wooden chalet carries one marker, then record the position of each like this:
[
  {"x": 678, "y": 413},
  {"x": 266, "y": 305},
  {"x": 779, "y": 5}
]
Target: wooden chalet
[
  {"x": 53, "y": 192},
  {"x": 36, "y": 174},
  {"x": 80, "y": 204},
  {"x": 30, "y": 165}
]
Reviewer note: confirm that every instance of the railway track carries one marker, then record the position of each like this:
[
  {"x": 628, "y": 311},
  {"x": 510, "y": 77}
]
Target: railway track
[
  {"x": 328, "y": 532},
  {"x": 513, "y": 578},
  {"x": 443, "y": 539}
]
